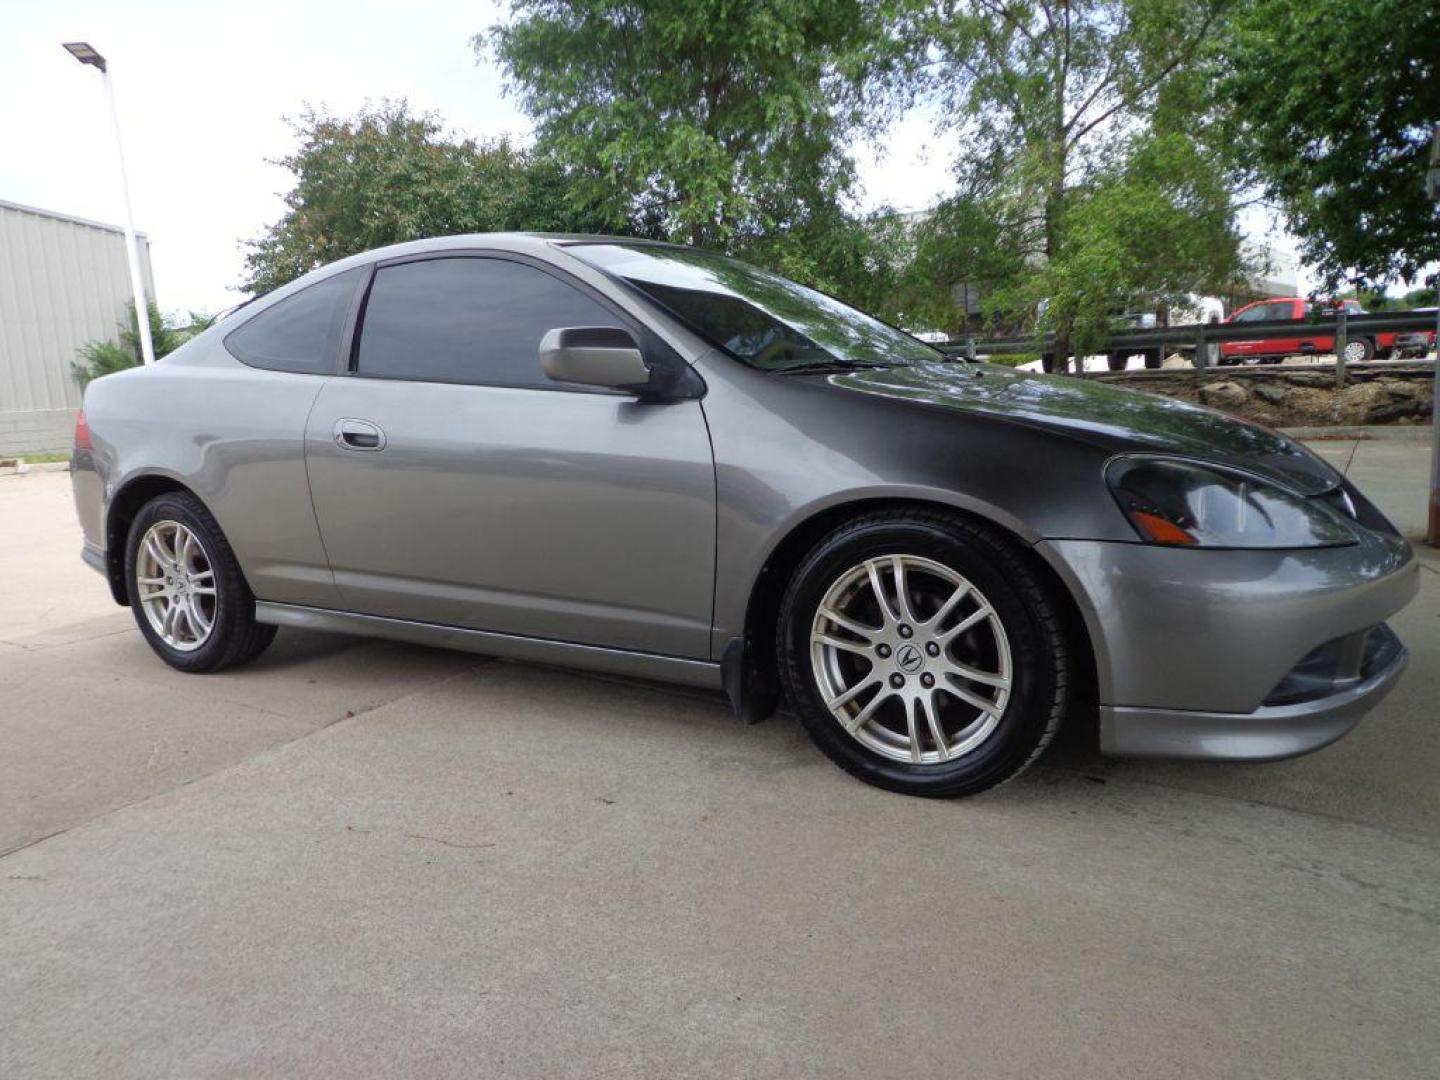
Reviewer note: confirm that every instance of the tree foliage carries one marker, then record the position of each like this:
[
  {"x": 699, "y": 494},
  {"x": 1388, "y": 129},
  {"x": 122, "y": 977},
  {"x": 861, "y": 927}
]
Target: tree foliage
[
  {"x": 708, "y": 118},
  {"x": 97, "y": 358},
  {"x": 1330, "y": 104},
  {"x": 388, "y": 175},
  {"x": 1087, "y": 178},
  {"x": 1096, "y": 166},
  {"x": 708, "y": 122}
]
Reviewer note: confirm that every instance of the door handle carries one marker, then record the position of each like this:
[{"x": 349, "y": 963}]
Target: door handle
[{"x": 352, "y": 434}]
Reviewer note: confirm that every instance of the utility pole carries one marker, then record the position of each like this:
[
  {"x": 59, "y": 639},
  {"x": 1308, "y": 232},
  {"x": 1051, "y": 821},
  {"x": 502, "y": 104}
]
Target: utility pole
[{"x": 83, "y": 52}]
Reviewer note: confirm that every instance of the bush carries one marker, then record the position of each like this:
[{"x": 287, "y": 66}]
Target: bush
[{"x": 99, "y": 358}]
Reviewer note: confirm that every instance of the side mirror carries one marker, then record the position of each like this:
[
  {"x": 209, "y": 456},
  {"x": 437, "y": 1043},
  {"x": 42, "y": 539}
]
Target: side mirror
[{"x": 595, "y": 356}]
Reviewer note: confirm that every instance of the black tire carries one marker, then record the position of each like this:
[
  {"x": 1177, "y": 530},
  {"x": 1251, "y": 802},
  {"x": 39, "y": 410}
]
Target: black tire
[
  {"x": 1154, "y": 358},
  {"x": 993, "y": 564},
  {"x": 1117, "y": 361},
  {"x": 235, "y": 637}
]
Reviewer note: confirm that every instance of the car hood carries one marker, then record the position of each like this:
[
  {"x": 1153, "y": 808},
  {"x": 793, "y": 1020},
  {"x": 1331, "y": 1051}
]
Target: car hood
[{"x": 1109, "y": 416}]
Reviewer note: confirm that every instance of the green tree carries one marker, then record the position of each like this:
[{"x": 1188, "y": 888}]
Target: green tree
[
  {"x": 1329, "y": 106},
  {"x": 99, "y": 358},
  {"x": 708, "y": 122},
  {"x": 1088, "y": 177},
  {"x": 387, "y": 175},
  {"x": 1145, "y": 233}
]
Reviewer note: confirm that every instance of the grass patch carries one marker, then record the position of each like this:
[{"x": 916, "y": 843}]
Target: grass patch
[{"x": 39, "y": 459}]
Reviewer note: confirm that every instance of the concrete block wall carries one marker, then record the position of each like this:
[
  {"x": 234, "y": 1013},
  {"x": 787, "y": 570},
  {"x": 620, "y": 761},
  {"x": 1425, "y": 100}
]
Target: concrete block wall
[{"x": 47, "y": 431}]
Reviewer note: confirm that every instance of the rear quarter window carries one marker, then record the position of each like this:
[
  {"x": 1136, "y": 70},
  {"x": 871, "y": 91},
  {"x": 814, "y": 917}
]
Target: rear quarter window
[{"x": 301, "y": 333}]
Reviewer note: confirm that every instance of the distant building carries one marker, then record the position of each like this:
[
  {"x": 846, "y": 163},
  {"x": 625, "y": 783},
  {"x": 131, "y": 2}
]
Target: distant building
[
  {"x": 1277, "y": 273},
  {"x": 63, "y": 282}
]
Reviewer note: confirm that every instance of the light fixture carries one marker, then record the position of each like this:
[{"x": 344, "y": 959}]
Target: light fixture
[{"x": 85, "y": 53}]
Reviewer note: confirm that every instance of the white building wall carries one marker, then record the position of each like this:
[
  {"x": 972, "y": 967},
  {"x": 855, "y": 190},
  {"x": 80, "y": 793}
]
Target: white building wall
[{"x": 63, "y": 282}]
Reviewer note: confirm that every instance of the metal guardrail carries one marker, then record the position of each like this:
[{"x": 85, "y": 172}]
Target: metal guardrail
[{"x": 1197, "y": 336}]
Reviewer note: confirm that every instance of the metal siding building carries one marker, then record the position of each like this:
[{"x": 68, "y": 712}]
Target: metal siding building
[{"x": 63, "y": 282}]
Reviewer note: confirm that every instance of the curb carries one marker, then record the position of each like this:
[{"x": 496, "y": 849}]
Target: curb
[
  {"x": 21, "y": 467},
  {"x": 1405, "y": 432}
]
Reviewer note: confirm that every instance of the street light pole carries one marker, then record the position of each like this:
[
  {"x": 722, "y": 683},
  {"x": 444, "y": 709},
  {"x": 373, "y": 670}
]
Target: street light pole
[
  {"x": 1432, "y": 188},
  {"x": 87, "y": 55}
]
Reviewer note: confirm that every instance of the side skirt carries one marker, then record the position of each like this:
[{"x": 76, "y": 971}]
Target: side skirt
[{"x": 671, "y": 669}]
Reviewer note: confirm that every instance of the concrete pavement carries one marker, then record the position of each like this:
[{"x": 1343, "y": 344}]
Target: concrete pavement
[
  {"x": 361, "y": 859},
  {"x": 44, "y": 584}
]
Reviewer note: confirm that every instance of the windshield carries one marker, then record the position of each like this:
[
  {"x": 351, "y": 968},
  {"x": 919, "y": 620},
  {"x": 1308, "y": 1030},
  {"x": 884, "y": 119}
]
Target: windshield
[{"x": 760, "y": 318}]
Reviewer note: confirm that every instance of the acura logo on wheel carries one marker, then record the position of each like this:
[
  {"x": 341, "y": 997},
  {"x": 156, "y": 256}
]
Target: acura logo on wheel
[{"x": 909, "y": 658}]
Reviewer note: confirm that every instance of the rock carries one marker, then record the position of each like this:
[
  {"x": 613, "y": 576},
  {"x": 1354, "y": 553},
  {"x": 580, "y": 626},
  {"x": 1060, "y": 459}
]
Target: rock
[
  {"x": 1356, "y": 403},
  {"x": 1401, "y": 390},
  {"x": 1271, "y": 392},
  {"x": 1175, "y": 360},
  {"x": 1310, "y": 378},
  {"x": 1223, "y": 395},
  {"x": 1394, "y": 411}
]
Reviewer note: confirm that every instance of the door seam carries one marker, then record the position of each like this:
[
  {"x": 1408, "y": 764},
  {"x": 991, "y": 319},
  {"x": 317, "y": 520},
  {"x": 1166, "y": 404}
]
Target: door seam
[{"x": 310, "y": 485}]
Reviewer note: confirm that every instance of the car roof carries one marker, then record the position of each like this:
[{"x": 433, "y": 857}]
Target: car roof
[
  {"x": 532, "y": 243},
  {"x": 501, "y": 241}
]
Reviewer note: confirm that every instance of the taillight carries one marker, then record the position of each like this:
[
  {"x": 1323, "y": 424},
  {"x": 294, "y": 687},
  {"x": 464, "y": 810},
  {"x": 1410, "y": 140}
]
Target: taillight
[{"x": 82, "y": 431}]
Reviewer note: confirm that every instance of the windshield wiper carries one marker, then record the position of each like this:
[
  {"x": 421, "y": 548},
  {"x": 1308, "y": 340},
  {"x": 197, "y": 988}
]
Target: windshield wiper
[{"x": 830, "y": 367}]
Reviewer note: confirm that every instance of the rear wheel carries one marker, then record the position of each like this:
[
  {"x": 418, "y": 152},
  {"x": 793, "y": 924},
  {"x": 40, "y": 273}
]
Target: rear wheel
[
  {"x": 1359, "y": 350},
  {"x": 187, "y": 592},
  {"x": 923, "y": 653}
]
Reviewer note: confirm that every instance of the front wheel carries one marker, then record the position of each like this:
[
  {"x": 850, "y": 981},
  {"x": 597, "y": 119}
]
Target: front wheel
[
  {"x": 923, "y": 653},
  {"x": 187, "y": 592}
]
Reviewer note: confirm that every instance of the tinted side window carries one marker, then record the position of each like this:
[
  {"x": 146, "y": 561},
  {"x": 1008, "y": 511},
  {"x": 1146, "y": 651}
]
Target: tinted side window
[
  {"x": 1254, "y": 314},
  {"x": 301, "y": 332},
  {"x": 468, "y": 320}
]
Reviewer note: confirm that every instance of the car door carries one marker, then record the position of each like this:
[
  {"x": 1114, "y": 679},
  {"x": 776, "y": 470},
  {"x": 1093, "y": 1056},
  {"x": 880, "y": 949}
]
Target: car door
[
  {"x": 1285, "y": 346},
  {"x": 1249, "y": 347},
  {"x": 455, "y": 484}
]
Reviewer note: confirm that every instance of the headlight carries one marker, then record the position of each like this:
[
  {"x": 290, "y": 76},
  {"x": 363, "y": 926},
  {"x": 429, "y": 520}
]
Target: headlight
[{"x": 1186, "y": 504}]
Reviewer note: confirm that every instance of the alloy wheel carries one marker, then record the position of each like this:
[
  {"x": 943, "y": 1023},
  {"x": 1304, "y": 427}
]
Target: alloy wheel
[
  {"x": 911, "y": 659},
  {"x": 176, "y": 585}
]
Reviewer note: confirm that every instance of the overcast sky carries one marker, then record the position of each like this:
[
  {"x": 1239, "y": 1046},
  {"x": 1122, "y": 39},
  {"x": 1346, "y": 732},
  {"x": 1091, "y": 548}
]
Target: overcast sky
[{"x": 203, "y": 89}]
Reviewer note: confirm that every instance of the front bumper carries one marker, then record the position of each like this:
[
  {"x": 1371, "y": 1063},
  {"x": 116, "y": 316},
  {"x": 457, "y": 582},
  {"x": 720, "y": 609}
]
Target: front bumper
[
  {"x": 1268, "y": 733},
  {"x": 1191, "y": 646}
]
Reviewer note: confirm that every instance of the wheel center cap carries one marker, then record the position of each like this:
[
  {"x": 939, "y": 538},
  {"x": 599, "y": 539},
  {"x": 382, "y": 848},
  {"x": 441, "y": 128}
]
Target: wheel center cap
[{"x": 909, "y": 658}]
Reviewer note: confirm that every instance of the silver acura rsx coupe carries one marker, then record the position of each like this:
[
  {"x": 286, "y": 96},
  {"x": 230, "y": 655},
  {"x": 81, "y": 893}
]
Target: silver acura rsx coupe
[{"x": 658, "y": 462}]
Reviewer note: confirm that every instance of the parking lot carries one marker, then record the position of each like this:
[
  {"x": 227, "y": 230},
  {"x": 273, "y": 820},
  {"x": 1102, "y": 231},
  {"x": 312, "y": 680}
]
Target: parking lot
[{"x": 363, "y": 859}]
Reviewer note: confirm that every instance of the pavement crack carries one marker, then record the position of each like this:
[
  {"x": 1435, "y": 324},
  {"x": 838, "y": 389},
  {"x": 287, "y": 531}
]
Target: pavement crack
[
  {"x": 468, "y": 670},
  {"x": 447, "y": 843},
  {"x": 1351, "y": 459}
]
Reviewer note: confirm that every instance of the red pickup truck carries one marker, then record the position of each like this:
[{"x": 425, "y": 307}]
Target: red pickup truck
[{"x": 1272, "y": 350}]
